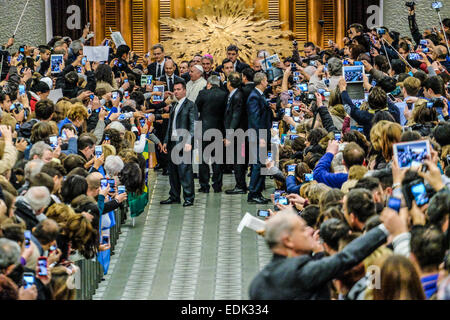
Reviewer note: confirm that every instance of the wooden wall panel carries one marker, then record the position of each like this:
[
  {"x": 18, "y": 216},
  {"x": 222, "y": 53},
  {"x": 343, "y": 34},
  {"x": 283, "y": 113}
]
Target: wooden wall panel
[
  {"x": 98, "y": 20},
  {"x": 138, "y": 27},
  {"x": 300, "y": 21},
  {"x": 112, "y": 17},
  {"x": 329, "y": 28},
  {"x": 273, "y": 7},
  {"x": 164, "y": 12},
  {"x": 283, "y": 13},
  {"x": 125, "y": 20},
  {"x": 152, "y": 9}
]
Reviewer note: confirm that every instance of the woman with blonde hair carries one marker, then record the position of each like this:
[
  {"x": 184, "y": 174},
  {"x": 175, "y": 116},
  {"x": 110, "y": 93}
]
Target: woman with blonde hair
[
  {"x": 391, "y": 134},
  {"x": 60, "y": 212},
  {"x": 108, "y": 150},
  {"x": 376, "y": 158},
  {"x": 61, "y": 110},
  {"x": 77, "y": 115}
]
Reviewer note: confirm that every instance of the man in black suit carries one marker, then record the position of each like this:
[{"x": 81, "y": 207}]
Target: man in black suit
[
  {"x": 211, "y": 104},
  {"x": 227, "y": 69},
  {"x": 156, "y": 69},
  {"x": 182, "y": 117},
  {"x": 294, "y": 274},
  {"x": 260, "y": 121},
  {"x": 236, "y": 118},
  {"x": 233, "y": 55},
  {"x": 207, "y": 64},
  {"x": 169, "y": 77},
  {"x": 247, "y": 82}
]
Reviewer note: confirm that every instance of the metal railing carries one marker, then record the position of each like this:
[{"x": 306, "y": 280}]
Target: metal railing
[{"x": 91, "y": 271}]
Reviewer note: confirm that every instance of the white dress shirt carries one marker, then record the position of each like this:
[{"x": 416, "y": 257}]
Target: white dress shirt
[{"x": 175, "y": 114}]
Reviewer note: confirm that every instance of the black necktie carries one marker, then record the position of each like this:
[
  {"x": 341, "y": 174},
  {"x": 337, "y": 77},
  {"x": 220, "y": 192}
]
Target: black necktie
[
  {"x": 170, "y": 84},
  {"x": 229, "y": 102},
  {"x": 158, "y": 73}
]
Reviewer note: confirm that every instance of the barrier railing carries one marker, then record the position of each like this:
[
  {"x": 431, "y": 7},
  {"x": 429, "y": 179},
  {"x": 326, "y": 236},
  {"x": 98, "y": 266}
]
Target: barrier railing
[{"x": 91, "y": 272}]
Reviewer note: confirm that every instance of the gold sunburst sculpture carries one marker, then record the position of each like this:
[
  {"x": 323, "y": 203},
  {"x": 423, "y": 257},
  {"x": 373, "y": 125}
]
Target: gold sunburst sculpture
[{"x": 219, "y": 23}]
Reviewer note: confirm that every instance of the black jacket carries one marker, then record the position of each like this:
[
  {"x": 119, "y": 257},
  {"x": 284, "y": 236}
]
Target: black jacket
[
  {"x": 211, "y": 105},
  {"x": 327, "y": 120},
  {"x": 302, "y": 278},
  {"x": 423, "y": 129},
  {"x": 186, "y": 77},
  {"x": 26, "y": 213},
  {"x": 72, "y": 91},
  {"x": 152, "y": 68},
  {"x": 240, "y": 66},
  {"x": 211, "y": 73},
  {"x": 187, "y": 115},
  {"x": 122, "y": 66},
  {"x": 236, "y": 112},
  {"x": 166, "y": 86},
  {"x": 246, "y": 90}
]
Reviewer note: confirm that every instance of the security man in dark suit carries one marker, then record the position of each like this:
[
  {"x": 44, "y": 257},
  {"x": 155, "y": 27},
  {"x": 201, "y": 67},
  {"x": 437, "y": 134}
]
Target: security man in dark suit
[
  {"x": 233, "y": 55},
  {"x": 236, "y": 118},
  {"x": 211, "y": 103},
  {"x": 169, "y": 77},
  {"x": 259, "y": 119},
  {"x": 156, "y": 69},
  {"x": 182, "y": 116},
  {"x": 247, "y": 82},
  {"x": 294, "y": 274}
]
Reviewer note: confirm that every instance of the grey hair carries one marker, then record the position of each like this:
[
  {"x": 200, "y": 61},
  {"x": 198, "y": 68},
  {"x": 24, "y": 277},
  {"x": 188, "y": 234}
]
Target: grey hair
[
  {"x": 335, "y": 66},
  {"x": 76, "y": 46},
  {"x": 32, "y": 168},
  {"x": 259, "y": 77},
  {"x": 37, "y": 197},
  {"x": 278, "y": 226},
  {"x": 38, "y": 149},
  {"x": 129, "y": 102},
  {"x": 113, "y": 165},
  {"x": 117, "y": 126},
  {"x": 59, "y": 43},
  {"x": 9, "y": 253},
  {"x": 214, "y": 80},
  {"x": 211, "y": 59}
]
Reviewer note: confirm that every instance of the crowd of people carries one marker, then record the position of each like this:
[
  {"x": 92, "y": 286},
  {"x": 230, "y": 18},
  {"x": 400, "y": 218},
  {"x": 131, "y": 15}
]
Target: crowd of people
[{"x": 342, "y": 208}]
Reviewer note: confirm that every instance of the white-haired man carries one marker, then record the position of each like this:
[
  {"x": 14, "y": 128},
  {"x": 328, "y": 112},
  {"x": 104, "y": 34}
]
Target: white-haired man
[
  {"x": 31, "y": 206},
  {"x": 293, "y": 273},
  {"x": 196, "y": 84}
]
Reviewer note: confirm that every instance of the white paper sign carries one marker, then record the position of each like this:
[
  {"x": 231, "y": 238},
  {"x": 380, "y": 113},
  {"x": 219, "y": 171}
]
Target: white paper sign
[
  {"x": 270, "y": 62},
  {"x": 117, "y": 38},
  {"x": 252, "y": 223},
  {"x": 55, "y": 95},
  {"x": 100, "y": 53}
]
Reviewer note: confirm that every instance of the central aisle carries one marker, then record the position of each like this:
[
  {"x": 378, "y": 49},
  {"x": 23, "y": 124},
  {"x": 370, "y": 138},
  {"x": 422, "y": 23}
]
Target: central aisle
[{"x": 192, "y": 253}]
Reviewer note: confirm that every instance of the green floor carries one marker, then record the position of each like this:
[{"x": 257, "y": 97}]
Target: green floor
[{"x": 192, "y": 253}]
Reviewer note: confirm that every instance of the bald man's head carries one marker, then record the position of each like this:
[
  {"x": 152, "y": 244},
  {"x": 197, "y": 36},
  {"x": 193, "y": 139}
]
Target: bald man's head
[
  {"x": 169, "y": 67},
  {"x": 440, "y": 52},
  {"x": 93, "y": 180}
]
